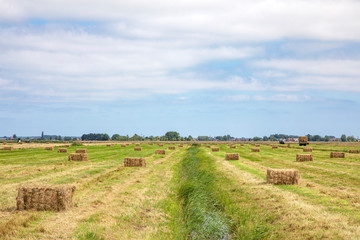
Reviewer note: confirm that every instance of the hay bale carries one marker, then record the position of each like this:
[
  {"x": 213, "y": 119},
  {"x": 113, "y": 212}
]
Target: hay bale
[
  {"x": 108, "y": 145},
  {"x": 44, "y": 198},
  {"x": 215, "y": 149},
  {"x": 307, "y": 149},
  {"x": 151, "y": 144},
  {"x": 255, "y": 149},
  {"x": 160, "y": 145},
  {"x": 123, "y": 145},
  {"x": 78, "y": 157},
  {"x": 208, "y": 146},
  {"x": 274, "y": 147},
  {"x": 232, "y": 156},
  {"x": 171, "y": 148},
  {"x": 134, "y": 162},
  {"x": 8, "y": 148},
  {"x": 304, "y": 157},
  {"x": 67, "y": 145},
  {"x": 181, "y": 145},
  {"x": 337, "y": 155},
  {"x": 353, "y": 151},
  {"x": 232, "y": 146},
  {"x": 81, "y": 151},
  {"x": 62, "y": 150},
  {"x": 160, "y": 151},
  {"x": 137, "y": 148},
  {"x": 137, "y": 144},
  {"x": 49, "y": 148},
  {"x": 282, "y": 176},
  {"x": 257, "y": 145}
]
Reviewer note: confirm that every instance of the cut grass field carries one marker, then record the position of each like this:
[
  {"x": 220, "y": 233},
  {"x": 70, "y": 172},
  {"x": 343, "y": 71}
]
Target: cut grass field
[{"x": 189, "y": 193}]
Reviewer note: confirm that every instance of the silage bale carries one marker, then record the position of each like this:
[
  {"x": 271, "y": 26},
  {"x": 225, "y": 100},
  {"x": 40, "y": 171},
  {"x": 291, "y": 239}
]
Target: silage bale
[
  {"x": 44, "y": 198},
  {"x": 282, "y": 176},
  {"x": 304, "y": 157}
]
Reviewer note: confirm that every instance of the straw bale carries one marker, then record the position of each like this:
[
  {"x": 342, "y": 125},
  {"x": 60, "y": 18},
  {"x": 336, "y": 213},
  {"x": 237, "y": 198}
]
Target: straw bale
[
  {"x": 282, "y": 176},
  {"x": 255, "y": 149},
  {"x": 160, "y": 151},
  {"x": 307, "y": 149},
  {"x": 123, "y": 145},
  {"x": 274, "y": 147},
  {"x": 353, "y": 151},
  {"x": 81, "y": 151},
  {"x": 49, "y": 148},
  {"x": 215, "y": 149},
  {"x": 67, "y": 145},
  {"x": 172, "y": 148},
  {"x": 337, "y": 155},
  {"x": 232, "y": 146},
  {"x": 232, "y": 156},
  {"x": 181, "y": 145},
  {"x": 137, "y": 144},
  {"x": 304, "y": 157},
  {"x": 160, "y": 145},
  {"x": 8, "y": 148},
  {"x": 78, "y": 157},
  {"x": 44, "y": 198},
  {"x": 208, "y": 146},
  {"x": 134, "y": 162},
  {"x": 257, "y": 145},
  {"x": 62, "y": 150},
  {"x": 137, "y": 148}
]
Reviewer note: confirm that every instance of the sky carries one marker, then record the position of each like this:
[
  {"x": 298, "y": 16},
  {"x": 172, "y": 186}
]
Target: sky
[{"x": 240, "y": 67}]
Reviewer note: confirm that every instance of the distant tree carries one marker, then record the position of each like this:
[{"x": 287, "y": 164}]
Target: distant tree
[
  {"x": 203, "y": 138},
  {"x": 115, "y": 137},
  {"x": 351, "y": 139},
  {"x": 42, "y": 135},
  {"x": 172, "y": 136},
  {"x": 14, "y": 136},
  {"x": 67, "y": 138},
  {"x": 327, "y": 138},
  {"x": 265, "y": 138},
  {"x": 316, "y": 138},
  {"x": 257, "y": 139},
  {"x": 343, "y": 138},
  {"x": 272, "y": 138}
]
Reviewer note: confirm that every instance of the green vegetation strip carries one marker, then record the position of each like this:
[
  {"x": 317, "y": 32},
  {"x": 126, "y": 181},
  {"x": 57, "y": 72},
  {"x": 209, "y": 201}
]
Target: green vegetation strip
[{"x": 210, "y": 210}]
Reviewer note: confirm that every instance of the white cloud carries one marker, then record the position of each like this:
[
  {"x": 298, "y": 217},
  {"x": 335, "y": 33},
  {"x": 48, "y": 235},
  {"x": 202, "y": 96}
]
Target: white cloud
[
  {"x": 228, "y": 20},
  {"x": 267, "y": 98},
  {"x": 328, "y": 67}
]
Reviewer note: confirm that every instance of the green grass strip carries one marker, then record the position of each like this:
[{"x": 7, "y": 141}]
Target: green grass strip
[{"x": 202, "y": 212}]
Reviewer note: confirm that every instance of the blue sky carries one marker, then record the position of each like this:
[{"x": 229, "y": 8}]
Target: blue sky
[{"x": 244, "y": 68}]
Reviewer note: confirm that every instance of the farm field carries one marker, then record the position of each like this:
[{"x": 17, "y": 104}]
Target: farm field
[{"x": 188, "y": 193}]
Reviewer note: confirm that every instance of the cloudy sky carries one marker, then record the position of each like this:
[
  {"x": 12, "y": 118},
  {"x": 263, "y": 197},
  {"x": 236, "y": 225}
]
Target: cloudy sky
[{"x": 214, "y": 67}]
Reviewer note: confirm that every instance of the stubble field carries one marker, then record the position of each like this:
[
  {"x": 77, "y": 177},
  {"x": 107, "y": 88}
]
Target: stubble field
[{"x": 188, "y": 193}]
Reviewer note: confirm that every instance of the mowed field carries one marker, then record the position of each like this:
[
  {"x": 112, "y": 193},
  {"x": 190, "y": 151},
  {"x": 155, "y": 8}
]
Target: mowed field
[{"x": 188, "y": 193}]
